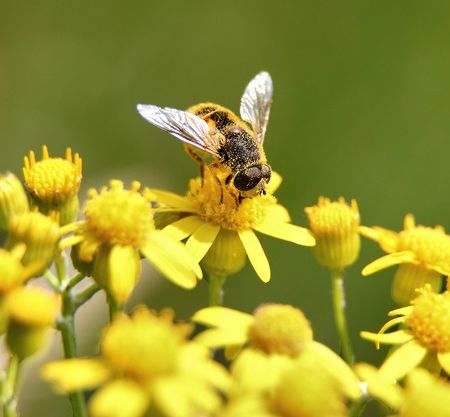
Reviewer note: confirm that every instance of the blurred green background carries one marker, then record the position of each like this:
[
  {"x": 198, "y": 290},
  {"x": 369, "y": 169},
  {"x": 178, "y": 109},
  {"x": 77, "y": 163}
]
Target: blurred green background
[{"x": 361, "y": 109}]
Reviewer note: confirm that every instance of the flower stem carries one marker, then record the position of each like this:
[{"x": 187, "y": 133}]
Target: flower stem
[
  {"x": 338, "y": 293},
  {"x": 114, "y": 309},
  {"x": 9, "y": 388},
  {"x": 358, "y": 407},
  {"x": 66, "y": 325},
  {"x": 215, "y": 289}
]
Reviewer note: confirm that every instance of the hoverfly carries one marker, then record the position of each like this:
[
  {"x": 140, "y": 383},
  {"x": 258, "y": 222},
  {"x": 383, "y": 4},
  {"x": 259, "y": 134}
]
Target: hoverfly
[{"x": 216, "y": 130}]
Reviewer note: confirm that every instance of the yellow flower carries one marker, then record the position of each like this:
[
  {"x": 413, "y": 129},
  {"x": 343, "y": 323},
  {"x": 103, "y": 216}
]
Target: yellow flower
[
  {"x": 426, "y": 335},
  {"x": 145, "y": 360},
  {"x": 273, "y": 330},
  {"x": 119, "y": 225},
  {"x": 12, "y": 275},
  {"x": 310, "y": 388},
  {"x": 31, "y": 311},
  {"x": 13, "y": 200},
  {"x": 311, "y": 384},
  {"x": 53, "y": 183},
  {"x": 213, "y": 208},
  {"x": 423, "y": 254},
  {"x": 425, "y": 395},
  {"x": 39, "y": 233},
  {"x": 335, "y": 225}
]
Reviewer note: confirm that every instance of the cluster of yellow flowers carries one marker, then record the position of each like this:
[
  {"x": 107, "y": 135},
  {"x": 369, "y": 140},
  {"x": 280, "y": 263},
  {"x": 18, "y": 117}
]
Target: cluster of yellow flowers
[{"x": 149, "y": 364}]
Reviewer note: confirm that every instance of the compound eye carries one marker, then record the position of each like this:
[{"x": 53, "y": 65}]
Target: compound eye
[
  {"x": 266, "y": 172},
  {"x": 248, "y": 178}
]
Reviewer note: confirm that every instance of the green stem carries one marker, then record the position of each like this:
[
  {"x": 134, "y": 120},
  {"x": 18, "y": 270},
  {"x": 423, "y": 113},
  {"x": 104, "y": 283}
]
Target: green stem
[
  {"x": 75, "y": 280},
  {"x": 338, "y": 293},
  {"x": 358, "y": 407},
  {"x": 86, "y": 294},
  {"x": 9, "y": 388},
  {"x": 114, "y": 309},
  {"x": 66, "y": 326},
  {"x": 215, "y": 289}
]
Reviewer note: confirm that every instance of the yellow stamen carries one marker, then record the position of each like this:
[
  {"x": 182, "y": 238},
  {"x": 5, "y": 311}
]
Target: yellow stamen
[
  {"x": 117, "y": 216},
  {"x": 429, "y": 320}
]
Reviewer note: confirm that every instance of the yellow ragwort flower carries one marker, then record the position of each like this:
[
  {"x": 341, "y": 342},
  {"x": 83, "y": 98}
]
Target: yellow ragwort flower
[
  {"x": 39, "y": 233},
  {"x": 426, "y": 334},
  {"x": 145, "y": 360},
  {"x": 272, "y": 328},
  {"x": 31, "y": 310},
  {"x": 425, "y": 395},
  {"x": 217, "y": 219},
  {"x": 275, "y": 333},
  {"x": 310, "y": 388},
  {"x": 118, "y": 226},
  {"x": 12, "y": 275},
  {"x": 335, "y": 226},
  {"x": 309, "y": 385},
  {"x": 53, "y": 183},
  {"x": 422, "y": 253},
  {"x": 13, "y": 200}
]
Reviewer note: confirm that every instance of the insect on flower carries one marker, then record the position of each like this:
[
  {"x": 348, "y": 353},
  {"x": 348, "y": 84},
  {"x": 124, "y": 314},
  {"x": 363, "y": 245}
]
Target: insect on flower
[{"x": 234, "y": 143}]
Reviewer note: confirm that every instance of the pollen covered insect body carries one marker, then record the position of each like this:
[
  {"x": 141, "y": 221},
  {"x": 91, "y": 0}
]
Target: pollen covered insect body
[{"x": 216, "y": 130}]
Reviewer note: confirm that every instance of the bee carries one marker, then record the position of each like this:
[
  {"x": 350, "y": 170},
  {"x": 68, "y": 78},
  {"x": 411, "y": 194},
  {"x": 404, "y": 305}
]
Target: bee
[{"x": 234, "y": 142}]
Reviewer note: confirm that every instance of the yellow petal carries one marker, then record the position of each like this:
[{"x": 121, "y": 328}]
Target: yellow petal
[
  {"x": 394, "y": 338},
  {"x": 338, "y": 367},
  {"x": 200, "y": 242},
  {"x": 444, "y": 361},
  {"x": 389, "y": 260},
  {"x": 220, "y": 337},
  {"x": 172, "y": 259},
  {"x": 222, "y": 316},
  {"x": 278, "y": 212},
  {"x": 174, "y": 200},
  {"x": 274, "y": 183},
  {"x": 256, "y": 254},
  {"x": 169, "y": 395},
  {"x": 286, "y": 231},
  {"x": 124, "y": 267},
  {"x": 73, "y": 374},
  {"x": 409, "y": 222},
  {"x": 403, "y": 360},
  {"x": 256, "y": 371},
  {"x": 183, "y": 228},
  {"x": 122, "y": 398},
  {"x": 378, "y": 386},
  {"x": 194, "y": 360},
  {"x": 403, "y": 311},
  {"x": 387, "y": 239}
]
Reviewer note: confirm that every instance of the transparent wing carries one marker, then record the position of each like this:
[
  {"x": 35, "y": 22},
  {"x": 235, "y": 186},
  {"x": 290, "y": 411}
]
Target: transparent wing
[
  {"x": 255, "y": 103},
  {"x": 185, "y": 126}
]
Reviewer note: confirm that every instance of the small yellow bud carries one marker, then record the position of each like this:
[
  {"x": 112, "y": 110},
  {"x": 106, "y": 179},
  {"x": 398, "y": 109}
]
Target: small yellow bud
[
  {"x": 39, "y": 233},
  {"x": 335, "y": 226},
  {"x": 280, "y": 328},
  {"x": 31, "y": 311},
  {"x": 53, "y": 183},
  {"x": 117, "y": 269},
  {"x": 226, "y": 256},
  {"x": 13, "y": 200}
]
